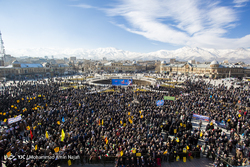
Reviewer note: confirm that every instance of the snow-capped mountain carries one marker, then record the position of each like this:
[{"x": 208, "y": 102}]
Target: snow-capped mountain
[{"x": 182, "y": 54}]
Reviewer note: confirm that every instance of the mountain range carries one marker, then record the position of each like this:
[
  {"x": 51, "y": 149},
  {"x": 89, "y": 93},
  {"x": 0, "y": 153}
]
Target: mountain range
[{"x": 182, "y": 54}]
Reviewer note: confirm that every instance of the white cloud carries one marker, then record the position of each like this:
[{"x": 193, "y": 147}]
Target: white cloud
[
  {"x": 196, "y": 23},
  {"x": 240, "y": 3},
  {"x": 181, "y": 22}
]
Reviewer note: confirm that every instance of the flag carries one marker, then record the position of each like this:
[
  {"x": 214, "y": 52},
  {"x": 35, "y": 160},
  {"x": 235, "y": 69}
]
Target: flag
[
  {"x": 28, "y": 128},
  {"x": 133, "y": 150},
  {"x": 128, "y": 113},
  {"x": 69, "y": 162},
  {"x": 130, "y": 120},
  {"x": 35, "y": 147},
  {"x": 106, "y": 139},
  {"x": 184, "y": 159},
  {"x": 102, "y": 121},
  {"x": 165, "y": 152},
  {"x": 141, "y": 116},
  {"x": 100, "y": 157},
  {"x": 121, "y": 153},
  {"x": 201, "y": 134},
  {"x": 62, "y": 135},
  {"x": 8, "y": 154},
  {"x": 140, "y": 111},
  {"x": 58, "y": 122},
  {"x": 187, "y": 148},
  {"x": 56, "y": 149},
  {"x": 47, "y": 135},
  {"x": 177, "y": 158},
  {"x": 31, "y": 135},
  {"x": 124, "y": 124},
  {"x": 99, "y": 122},
  {"x": 177, "y": 139},
  {"x": 5, "y": 120},
  {"x": 121, "y": 122},
  {"x": 63, "y": 119},
  {"x": 107, "y": 154},
  {"x": 175, "y": 130},
  {"x": 180, "y": 124}
]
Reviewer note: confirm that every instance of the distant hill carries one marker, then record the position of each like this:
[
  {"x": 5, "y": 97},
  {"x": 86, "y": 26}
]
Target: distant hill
[{"x": 182, "y": 54}]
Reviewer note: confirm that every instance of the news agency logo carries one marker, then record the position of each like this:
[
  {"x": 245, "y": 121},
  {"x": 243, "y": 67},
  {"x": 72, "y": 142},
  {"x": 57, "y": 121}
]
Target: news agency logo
[
  {"x": 11, "y": 157},
  {"x": 21, "y": 156}
]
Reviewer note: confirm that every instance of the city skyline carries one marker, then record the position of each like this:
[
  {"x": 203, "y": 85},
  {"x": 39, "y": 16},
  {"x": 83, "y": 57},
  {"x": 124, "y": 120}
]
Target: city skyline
[{"x": 143, "y": 27}]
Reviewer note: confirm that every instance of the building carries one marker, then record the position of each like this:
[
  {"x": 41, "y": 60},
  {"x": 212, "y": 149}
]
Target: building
[
  {"x": 172, "y": 61},
  {"x": 122, "y": 67},
  {"x": 1, "y": 61},
  {"x": 72, "y": 59},
  {"x": 212, "y": 70},
  {"x": 191, "y": 61},
  {"x": 19, "y": 70}
]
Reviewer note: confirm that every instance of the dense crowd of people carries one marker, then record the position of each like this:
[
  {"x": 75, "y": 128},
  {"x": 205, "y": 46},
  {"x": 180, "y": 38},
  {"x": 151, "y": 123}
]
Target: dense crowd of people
[{"x": 122, "y": 124}]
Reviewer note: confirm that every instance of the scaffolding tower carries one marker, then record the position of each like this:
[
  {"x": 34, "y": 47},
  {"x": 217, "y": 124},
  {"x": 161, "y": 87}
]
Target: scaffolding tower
[{"x": 2, "y": 49}]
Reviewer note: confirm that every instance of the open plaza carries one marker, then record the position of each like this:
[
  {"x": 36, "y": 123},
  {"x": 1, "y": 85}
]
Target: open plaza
[{"x": 125, "y": 120}]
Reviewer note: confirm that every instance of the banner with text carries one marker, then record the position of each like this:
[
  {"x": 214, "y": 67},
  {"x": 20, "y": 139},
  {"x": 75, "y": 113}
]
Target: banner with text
[
  {"x": 16, "y": 119},
  {"x": 122, "y": 82},
  {"x": 160, "y": 102},
  {"x": 169, "y": 98},
  {"x": 201, "y": 117}
]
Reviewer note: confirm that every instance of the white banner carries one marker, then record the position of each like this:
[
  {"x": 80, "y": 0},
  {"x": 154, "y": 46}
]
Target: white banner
[{"x": 13, "y": 120}]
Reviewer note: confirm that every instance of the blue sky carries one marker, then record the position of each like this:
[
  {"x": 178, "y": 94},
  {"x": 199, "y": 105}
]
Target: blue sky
[{"x": 140, "y": 26}]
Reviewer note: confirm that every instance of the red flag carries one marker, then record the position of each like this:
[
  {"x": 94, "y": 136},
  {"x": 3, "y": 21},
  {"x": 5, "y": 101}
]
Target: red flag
[
  {"x": 31, "y": 135},
  {"x": 106, "y": 140}
]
